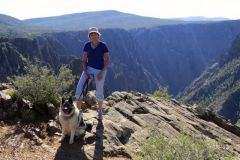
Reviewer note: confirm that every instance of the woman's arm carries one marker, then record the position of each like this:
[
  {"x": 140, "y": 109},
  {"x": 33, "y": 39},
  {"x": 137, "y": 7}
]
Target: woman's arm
[
  {"x": 84, "y": 64},
  {"x": 84, "y": 61},
  {"x": 106, "y": 60}
]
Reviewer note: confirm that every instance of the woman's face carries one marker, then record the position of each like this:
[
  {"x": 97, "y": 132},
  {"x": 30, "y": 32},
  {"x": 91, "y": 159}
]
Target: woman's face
[{"x": 94, "y": 37}]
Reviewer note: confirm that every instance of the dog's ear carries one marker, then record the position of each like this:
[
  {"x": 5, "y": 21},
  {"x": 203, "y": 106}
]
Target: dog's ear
[
  {"x": 70, "y": 100},
  {"x": 63, "y": 100}
]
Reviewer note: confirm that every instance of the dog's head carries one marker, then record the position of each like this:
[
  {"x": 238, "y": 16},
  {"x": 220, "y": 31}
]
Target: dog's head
[{"x": 67, "y": 106}]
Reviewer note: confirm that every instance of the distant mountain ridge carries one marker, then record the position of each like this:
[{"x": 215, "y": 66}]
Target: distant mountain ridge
[
  {"x": 201, "y": 18},
  {"x": 10, "y": 26},
  {"x": 13, "y": 27},
  {"x": 8, "y": 20},
  {"x": 102, "y": 19}
]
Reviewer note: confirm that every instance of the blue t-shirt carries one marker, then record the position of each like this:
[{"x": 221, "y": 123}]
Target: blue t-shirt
[{"x": 95, "y": 55}]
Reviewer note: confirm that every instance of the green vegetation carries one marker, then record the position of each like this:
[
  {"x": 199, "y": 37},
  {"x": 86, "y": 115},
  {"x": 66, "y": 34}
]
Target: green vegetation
[
  {"x": 181, "y": 147},
  {"x": 11, "y": 92},
  {"x": 238, "y": 123},
  {"x": 28, "y": 115},
  {"x": 40, "y": 86},
  {"x": 161, "y": 93}
]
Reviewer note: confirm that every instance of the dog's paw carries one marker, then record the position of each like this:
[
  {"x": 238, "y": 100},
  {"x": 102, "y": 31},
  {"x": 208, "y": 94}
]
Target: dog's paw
[{"x": 61, "y": 139}]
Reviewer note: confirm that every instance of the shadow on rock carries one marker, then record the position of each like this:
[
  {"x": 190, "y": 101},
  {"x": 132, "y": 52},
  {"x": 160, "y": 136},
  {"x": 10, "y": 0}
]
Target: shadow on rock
[
  {"x": 98, "y": 151},
  {"x": 73, "y": 151}
]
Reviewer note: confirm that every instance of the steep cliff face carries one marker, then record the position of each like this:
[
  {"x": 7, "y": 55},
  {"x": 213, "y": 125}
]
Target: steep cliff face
[
  {"x": 219, "y": 86},
  {"x": 180, "y": 53},
  {"x": 171, "y": 56},
  {"x": 11, "y": 61},
  {"x": 16, "y": 52},
  {"x": 142, "y": 59},
  {"x": 126, "y": 70}
]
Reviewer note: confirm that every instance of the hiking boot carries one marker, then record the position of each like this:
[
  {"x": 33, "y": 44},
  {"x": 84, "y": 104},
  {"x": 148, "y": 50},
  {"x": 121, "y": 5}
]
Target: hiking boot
[
  {"x": 99, "y": 127},
  {"x": 100, "y": 114}
]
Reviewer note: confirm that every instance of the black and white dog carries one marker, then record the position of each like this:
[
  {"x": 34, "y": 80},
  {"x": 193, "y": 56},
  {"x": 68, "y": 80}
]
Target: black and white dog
[{"x": 71, "y": 120}]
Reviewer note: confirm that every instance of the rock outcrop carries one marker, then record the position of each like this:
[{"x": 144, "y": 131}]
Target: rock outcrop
[
  {"x": 129, "y": 117},
  {"x": 127, "y": 123}
]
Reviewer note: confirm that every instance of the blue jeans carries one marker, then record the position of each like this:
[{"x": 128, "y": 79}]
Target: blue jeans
[{"x": 99, "y": 84}]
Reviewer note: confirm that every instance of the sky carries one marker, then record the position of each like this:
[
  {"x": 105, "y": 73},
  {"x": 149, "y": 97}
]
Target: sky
[{"x": 25, "y": 9}]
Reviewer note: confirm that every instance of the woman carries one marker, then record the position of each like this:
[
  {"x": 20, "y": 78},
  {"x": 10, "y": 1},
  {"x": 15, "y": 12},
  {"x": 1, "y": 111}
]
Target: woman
[{"x": 95, "y": 60}]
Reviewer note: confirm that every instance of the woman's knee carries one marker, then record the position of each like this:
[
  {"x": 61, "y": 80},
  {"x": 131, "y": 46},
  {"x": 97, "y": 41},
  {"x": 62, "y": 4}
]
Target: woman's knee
[{"x": 100, "y": 92}]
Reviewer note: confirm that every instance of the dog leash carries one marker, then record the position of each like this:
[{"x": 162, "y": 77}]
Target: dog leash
[
  {"x": 85, "y": 87},
  {"x": 84, "y": 90}
]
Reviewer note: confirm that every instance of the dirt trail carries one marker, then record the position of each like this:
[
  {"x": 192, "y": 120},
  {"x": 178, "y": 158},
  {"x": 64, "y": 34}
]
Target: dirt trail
[{"x": 14, "y": 145}]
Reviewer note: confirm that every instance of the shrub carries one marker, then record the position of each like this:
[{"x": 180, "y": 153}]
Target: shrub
[
  {"x": 180, "y": 147},
  {"x": 28, "y": 115},
  {"x": 238, "y": 123},
  {"x": 40, "y": 86},
  {"x": 161, "y": 93},
  {"x": 13, "y": 93},
  {"x": 65, "y": 80}
]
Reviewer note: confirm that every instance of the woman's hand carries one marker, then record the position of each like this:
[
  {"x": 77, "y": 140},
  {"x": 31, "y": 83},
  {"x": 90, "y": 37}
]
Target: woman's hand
[
  {"x": 86, "y": 74},
  {"x": 100, "y": 75}
]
